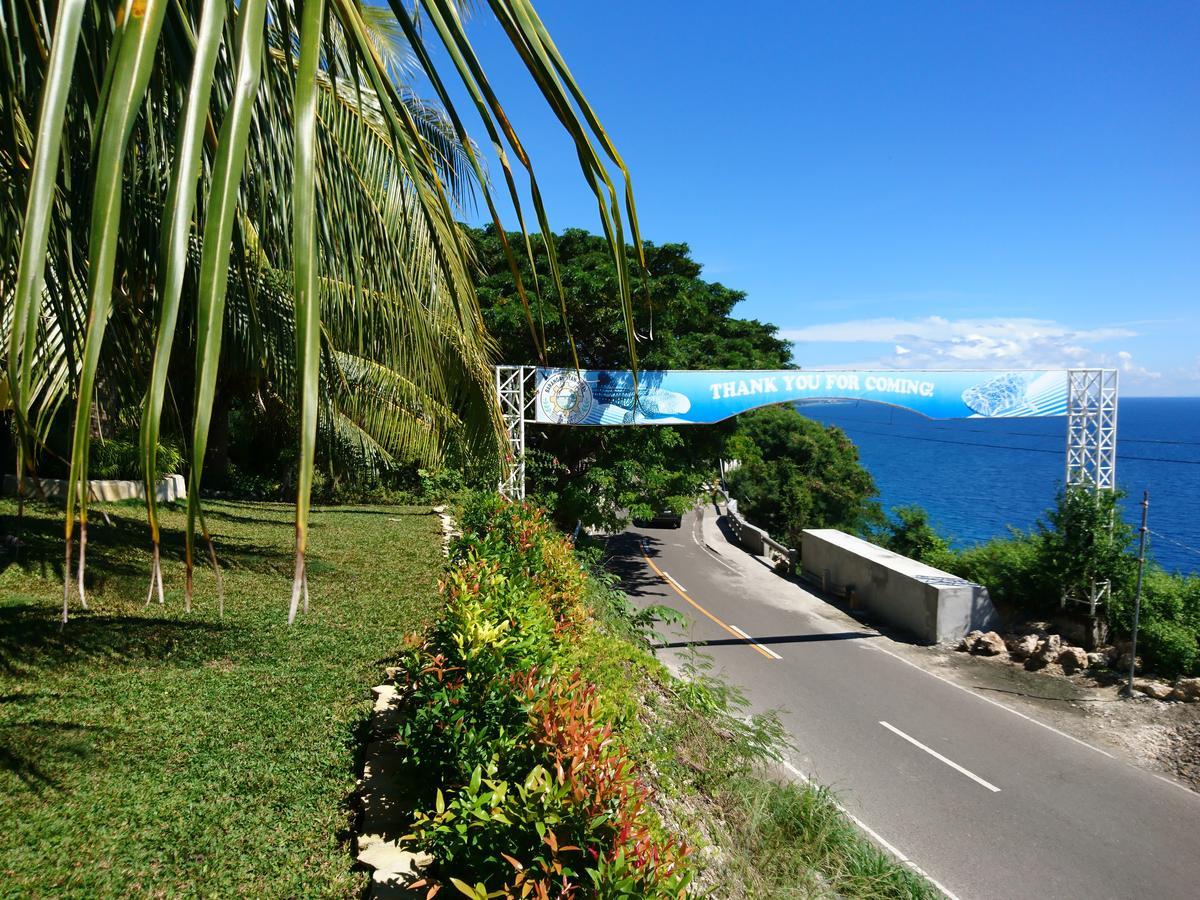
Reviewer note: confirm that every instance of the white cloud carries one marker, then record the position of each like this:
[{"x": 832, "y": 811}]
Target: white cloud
[
  {"x": 938, "y": 342},
  {"x": 1188, "y": 372},
  {"x": 1128, "y": 366}
]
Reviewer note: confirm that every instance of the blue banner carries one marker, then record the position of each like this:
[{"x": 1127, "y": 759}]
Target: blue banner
[{"x": 607, "y": 397}]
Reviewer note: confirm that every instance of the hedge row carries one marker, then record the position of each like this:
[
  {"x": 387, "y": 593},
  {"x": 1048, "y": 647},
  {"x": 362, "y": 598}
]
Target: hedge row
[{"x": 530, "y": 788}]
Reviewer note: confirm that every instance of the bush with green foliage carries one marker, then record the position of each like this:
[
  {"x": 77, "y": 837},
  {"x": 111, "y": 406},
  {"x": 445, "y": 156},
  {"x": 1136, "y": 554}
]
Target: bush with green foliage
[
  {"x": 534, "y": 707},
  {"x": 117, "y": 458},
  {"x": 1168, "y": 647},
  {"x": 534, "y": 791},
  {"x": 912, "y": 535},
  {"x": 1011, "y": 568},
  {"x": 1085, "y": 542}
]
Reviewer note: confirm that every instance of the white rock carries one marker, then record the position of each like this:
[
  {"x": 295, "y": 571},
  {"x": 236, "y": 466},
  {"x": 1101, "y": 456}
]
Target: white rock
[
  {"x": 1155, "y": 689},
  {"x": 969, "y": 640},
  {"x": 389, "y": 858},
  {"x": 386, "y": 696},
  {"x": 1072, "y": 659},
  {"x": 990, "y": 644},
  {"x": 367, "y": 840},
  {"x": 1023, "y": 647},
  {"x": 1050, "y": 646},
  {"x": 1186, "y": 690},
  {"x": 1047, "y": 651}
]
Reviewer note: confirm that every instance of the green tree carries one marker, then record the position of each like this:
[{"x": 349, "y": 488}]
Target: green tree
[
  {"x": 1085, "y": 543},
  {"x": 596, "y": 474},
  {"x": 794, "y": 473},
  {"x": 910, "y": 534}
]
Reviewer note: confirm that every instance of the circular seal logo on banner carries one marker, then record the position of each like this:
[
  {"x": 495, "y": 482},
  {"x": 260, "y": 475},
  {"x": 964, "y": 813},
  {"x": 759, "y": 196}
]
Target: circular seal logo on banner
[{"x": 565, "y": 398}]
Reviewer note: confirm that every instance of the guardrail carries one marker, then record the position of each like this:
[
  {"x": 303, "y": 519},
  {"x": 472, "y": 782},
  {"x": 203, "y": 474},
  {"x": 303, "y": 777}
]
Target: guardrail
[{"x": 756, "y": 539}]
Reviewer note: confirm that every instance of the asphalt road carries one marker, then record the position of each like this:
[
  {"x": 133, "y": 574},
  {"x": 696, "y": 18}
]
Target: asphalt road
[{"x": 988, "y": 801}]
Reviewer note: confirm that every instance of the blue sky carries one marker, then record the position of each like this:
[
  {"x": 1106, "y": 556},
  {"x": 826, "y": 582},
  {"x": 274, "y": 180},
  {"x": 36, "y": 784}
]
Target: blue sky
[{"x": 943, "y": 185}]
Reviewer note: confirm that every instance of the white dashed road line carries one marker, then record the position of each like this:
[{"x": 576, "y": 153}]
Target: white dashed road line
[
  {"x": 951, "y": 763},
  {"x": 874, "y": 648},
  {"x": 679, "y": 584}
]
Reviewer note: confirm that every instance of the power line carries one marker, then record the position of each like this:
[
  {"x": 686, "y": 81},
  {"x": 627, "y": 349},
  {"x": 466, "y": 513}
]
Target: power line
[
  {"x": 1048, "y": 434},
  {"x": 1170, "y": 540},
  {"x": 913, "y": 437},
  {"x": 1162, "y": 459}
]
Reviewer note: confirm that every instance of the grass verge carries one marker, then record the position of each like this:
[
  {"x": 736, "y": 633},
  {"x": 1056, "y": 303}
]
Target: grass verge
[{"x": 147, "y": 751}]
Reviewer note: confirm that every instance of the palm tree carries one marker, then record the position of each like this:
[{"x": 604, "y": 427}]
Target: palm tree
[{"x": 249, "y": 183}]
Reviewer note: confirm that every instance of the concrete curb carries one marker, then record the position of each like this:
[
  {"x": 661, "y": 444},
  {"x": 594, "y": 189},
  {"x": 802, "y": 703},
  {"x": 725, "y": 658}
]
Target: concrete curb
[
  {"x": 168, "y": 490},
  {"x": 381, "y": 792}
]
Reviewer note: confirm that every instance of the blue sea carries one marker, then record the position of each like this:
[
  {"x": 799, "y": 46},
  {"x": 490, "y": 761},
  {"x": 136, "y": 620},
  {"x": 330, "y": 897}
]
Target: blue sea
[{"x": 979, "y": 477}]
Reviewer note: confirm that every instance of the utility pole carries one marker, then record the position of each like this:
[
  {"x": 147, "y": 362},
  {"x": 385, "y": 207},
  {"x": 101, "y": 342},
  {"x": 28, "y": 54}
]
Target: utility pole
[{"x": 1137, "y": 597}]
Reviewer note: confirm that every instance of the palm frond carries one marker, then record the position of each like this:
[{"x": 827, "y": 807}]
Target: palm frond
[{"x": 159, "y": 218}]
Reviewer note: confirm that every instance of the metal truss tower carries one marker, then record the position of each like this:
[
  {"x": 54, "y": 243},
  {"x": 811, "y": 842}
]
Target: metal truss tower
[
  {"x": 1091, "y": 457},
  {"x": 1092, "y": 428},
  {"x": 516, "y": 390}
]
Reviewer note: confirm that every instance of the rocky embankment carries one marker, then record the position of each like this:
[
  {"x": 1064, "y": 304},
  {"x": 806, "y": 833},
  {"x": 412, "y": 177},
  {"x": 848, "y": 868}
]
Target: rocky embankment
[{"x": 1038, "y": 651}]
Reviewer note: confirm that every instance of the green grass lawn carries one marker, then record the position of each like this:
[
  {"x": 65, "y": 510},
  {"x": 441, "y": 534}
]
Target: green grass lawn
[{"x": 145, "y": 751}]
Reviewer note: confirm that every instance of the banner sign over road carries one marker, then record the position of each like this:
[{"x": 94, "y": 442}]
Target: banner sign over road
[{"x": 606, "y": 397}]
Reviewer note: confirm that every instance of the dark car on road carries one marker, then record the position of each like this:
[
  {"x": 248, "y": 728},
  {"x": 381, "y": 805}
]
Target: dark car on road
[{"x": 664, "y": 517}]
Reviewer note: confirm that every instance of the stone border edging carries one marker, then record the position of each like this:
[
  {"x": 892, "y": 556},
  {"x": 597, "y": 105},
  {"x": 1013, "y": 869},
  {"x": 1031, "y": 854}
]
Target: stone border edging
[{"x": 381, "y": 789}]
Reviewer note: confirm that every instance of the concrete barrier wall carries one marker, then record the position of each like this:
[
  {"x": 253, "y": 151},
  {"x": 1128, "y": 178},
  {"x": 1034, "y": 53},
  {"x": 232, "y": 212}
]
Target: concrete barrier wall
[
  {"x": 171, "y": 488},
  {"x": 931, "y": 605},
  {"x": 749, "y": 536},
  {"x": 756, "y": 540}
]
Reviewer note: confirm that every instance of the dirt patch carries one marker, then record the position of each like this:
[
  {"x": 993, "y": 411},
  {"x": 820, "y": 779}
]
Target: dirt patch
[{"x": 1161, "y": 735}]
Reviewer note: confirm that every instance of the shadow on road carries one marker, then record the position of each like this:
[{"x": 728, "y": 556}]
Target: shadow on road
[
  {"x": 777, "y": 639},
  {"x": 626, "y": 562}
]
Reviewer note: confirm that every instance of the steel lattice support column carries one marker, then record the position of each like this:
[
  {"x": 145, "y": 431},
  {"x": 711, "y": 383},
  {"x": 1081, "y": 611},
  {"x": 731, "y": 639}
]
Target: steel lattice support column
[
  {"x": 1092, "y": 428},
  {"x": 516, "y": 393},
  {"x": 1092, "y": 449}
]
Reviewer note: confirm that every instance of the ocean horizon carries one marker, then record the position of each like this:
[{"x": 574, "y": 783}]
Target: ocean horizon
[{"x": 979, "y": 478}]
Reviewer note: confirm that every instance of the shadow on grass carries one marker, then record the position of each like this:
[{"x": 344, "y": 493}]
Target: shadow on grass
[
  {"x": 32, "y": 639},
  {"x": 36, "y": 545},
  {"x": 280, "y": 519},
  {"x": 400, "y": 512},
  {"x": 51, "y": 741},
  {"x": 119, "y": 549}
]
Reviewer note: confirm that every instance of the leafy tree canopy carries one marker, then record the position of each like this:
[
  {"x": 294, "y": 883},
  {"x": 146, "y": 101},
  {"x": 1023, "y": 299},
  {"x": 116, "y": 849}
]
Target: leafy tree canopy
[
  {"x": 795, "y": 473},
  {"x": 597, "y": 474}
]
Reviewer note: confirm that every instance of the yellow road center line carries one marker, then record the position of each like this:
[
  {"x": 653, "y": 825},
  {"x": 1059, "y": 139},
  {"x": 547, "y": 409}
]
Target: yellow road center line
[{"x": 741, "y": 637}]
